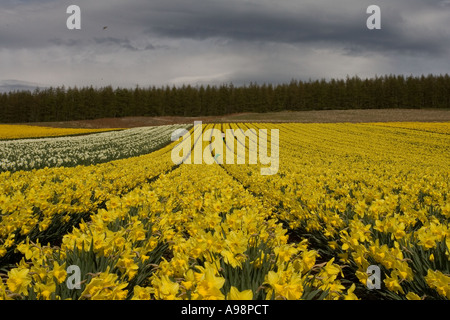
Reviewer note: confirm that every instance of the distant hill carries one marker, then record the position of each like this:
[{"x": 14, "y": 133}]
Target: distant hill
[{"x": 17, "y": 85}]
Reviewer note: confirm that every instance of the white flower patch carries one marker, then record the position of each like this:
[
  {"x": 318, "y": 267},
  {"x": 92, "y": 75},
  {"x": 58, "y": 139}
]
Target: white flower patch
[{"x": 28, "y": 154}]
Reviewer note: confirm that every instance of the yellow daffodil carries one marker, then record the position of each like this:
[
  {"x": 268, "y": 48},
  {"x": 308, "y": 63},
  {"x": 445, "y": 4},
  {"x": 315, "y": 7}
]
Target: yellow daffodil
[
  {"x": 140, "y": 293},
  {"x": 209, "y": 285},
  {"x": 59, "y": 272},
  {"x": 350, "y": 295},
  {"x": 18, "y": 280},
  {"x": 412, "y": 296},
  {"x": 44, "y": 290},
  {"x": 235, "y": 294},
  {"x": 393, "y": 283}
]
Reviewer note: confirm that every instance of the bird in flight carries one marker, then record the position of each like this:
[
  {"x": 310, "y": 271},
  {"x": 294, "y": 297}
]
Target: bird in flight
[{"x": 105, "y": 27}]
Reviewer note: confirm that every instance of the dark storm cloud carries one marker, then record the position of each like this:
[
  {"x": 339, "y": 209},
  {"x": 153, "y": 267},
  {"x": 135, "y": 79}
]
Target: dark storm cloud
[
  {"x": 337, "y": 23},
  {"x": 29, "y": 24},
  {"x": 216, "y": 41},
  {"x": 313, "y": 23}
]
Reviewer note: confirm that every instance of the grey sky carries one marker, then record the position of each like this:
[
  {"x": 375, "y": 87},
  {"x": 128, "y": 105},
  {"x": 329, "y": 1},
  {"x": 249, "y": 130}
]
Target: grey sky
[{"x": 160, "y": 42}]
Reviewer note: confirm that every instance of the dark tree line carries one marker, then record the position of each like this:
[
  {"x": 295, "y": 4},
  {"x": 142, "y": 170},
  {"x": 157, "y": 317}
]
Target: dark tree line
[{"x": 60, "y": 104}]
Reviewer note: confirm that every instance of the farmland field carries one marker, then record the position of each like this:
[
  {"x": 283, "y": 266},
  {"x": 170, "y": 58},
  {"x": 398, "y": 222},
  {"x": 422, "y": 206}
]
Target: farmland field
[
  {"x": 27, "y": 154},
  {"x": 346, "y": 197},
  {"x": 8, "y": 132}
]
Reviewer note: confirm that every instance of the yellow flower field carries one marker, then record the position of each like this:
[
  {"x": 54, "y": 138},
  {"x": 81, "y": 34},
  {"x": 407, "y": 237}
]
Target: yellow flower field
[
  {"x": 440, "y": 127},
  {"x": 23, "y": 131},
  {"x": 345, "y": 197}
]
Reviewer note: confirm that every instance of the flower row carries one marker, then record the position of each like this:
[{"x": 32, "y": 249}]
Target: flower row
[{"x": 27, "y": 154}]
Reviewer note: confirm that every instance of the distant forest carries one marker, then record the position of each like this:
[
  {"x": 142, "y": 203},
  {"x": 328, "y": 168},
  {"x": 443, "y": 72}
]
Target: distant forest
[{"x": 61, "y": 104}]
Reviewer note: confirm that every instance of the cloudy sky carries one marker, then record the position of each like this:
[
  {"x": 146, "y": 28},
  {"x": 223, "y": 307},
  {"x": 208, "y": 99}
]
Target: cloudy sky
[{"x": 175, "y": 42}]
